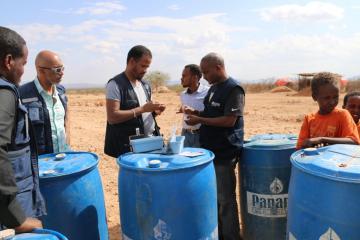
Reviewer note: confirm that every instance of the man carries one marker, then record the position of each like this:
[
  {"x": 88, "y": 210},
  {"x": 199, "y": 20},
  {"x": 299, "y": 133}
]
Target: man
[
  {"x": 222, "y": 132},
  {"x": 192, "y": 97},
  {"x": 20, "y": 198},
  {"x": 128, "y": 103},
  {"x": 46, "y": 103}
]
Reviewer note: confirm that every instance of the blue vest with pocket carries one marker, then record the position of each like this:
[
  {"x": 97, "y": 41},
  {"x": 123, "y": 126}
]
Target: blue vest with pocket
[
  {"x": 39, "y": 115},
  {"x": 23, "y": 156},
  {"x": 117, "y": 135},
  {"x": 225, "y": 142}
]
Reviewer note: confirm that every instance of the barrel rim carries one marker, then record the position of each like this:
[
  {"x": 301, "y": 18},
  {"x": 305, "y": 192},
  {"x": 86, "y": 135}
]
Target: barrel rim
[
  {"x": 272, "y": 148},
  {"x": 194, "y": 164},
  {"x": 52, "y": 232},
  {"x": 64, "y": 175},
  {"x": 273, "y": 136}
]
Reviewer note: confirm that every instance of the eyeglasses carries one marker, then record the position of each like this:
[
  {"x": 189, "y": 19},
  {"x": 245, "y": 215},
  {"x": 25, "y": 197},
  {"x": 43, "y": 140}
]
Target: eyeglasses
[{"x": 55, "y": 69}]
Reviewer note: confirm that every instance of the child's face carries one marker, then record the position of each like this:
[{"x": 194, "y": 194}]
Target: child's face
[
  {"x": 327, "y": 98},
  {"x": 353, "y": 106}
]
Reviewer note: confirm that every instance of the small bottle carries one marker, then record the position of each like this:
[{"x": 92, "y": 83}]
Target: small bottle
[{"x": 137, "y": 135}]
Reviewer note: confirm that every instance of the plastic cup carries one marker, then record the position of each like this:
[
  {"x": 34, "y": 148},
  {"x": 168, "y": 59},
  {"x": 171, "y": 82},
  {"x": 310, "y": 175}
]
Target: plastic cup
[{"x": 177, "y": 145}]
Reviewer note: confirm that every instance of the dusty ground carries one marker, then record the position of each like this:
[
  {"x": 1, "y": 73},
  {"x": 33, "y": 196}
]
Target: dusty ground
[{"x": 264, "y": 113}]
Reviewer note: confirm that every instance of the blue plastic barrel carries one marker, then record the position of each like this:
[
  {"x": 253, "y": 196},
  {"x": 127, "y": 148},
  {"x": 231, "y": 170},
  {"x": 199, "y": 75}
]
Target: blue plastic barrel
[
  {"x": 168, "y": 196},
  {"x": 39, "y": 234},
  {"x": 324, "y": 194},
  {"x": 264, "y": 173},
  {"x": 72, "y": 189}
]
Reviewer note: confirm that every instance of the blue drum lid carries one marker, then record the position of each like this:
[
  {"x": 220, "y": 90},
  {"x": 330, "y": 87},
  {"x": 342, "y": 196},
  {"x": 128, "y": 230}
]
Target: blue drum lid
[
  {"x": 62, "y": 164},
  {"x": 338, "y": 162},
  {"x": 161, "y": 162},
  {"x": 273, "y": 136},
  {"x": 272, "y": 141}
]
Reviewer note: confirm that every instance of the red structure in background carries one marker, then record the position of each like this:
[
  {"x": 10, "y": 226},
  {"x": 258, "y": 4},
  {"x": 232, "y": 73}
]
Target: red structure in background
[
  {"x": 343, "y": 82},
  {"x": 282, "y": 81},
  {"x": 305, "y": 79}
]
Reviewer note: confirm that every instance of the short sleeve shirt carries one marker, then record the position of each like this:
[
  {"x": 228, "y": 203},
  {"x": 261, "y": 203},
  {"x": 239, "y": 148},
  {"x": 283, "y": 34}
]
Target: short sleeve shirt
[
  {"x": 235, "y": 103},
  {"x": 113, "y": 93},
  {"x": 194, "y": 100},
  {"x": 337, "y": 124}
]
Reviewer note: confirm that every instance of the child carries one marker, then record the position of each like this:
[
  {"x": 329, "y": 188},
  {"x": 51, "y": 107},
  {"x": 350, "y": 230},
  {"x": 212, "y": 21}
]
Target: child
[
  {"x": 330, "y": 125},
  {"x": 352, "y": 104}
]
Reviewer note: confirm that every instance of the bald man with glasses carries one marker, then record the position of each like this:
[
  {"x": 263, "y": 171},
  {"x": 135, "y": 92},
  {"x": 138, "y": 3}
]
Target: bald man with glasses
[{"x": 46, "y": 102}]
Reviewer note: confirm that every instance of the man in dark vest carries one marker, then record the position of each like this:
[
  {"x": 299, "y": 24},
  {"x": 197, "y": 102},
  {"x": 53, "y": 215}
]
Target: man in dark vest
[
  {"x": 222, "y": 132},
  {"x": 20, "y": 198},
  {"x": 46, "y": 103},
  {"x": 128, "y": 104}
]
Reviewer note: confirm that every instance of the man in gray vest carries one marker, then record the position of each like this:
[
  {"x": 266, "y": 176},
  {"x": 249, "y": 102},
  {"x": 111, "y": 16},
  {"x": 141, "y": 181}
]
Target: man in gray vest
[
  {"x": 20, "y": 198},
  {"x": 46, "y": 103},
  {"x": 128, "y": 103}
]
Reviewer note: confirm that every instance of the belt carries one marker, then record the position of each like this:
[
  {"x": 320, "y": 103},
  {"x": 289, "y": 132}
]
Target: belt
[{"x": 192, "y": 131}]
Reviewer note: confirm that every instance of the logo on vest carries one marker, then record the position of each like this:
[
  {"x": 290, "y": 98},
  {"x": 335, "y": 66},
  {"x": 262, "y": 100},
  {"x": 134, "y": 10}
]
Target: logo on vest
[{"x": 215, "y": 104}]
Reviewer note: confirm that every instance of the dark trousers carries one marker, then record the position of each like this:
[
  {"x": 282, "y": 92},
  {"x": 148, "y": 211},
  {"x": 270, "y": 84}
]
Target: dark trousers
[{"x": 228, "y": 217}]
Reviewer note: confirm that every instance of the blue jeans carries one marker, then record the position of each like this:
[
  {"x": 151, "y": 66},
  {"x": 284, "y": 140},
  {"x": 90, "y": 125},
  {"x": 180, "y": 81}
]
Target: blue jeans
[{"x": 191, "y": 139}]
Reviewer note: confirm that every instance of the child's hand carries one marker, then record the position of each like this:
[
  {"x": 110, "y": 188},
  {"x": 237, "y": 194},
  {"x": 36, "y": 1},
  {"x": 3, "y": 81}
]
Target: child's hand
[{"x": 314, "y": 142}]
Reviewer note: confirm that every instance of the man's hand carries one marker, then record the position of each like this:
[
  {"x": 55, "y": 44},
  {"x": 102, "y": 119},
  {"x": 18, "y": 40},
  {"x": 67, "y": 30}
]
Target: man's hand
[
  {"x": 190, "y": 111},
  {"x": 28, "y": 225},
  {"x": 162, "y": 108},
  {"x": 181, "y": 109},
  {"x": 152, "y": 107},
  {"x": 192, "y": 120}
]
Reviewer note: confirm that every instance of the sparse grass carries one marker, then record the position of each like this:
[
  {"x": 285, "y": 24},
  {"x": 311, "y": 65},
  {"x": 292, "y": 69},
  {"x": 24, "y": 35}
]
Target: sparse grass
[
  {"x": 258, "y": 87},
  {"x": 86, "y": 91},
  {"x": 263, "y": 86},
  {"x": 176, "y": 88}
]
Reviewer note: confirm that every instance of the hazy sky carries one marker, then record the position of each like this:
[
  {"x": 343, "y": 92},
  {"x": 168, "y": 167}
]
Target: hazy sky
[{"x": 258, "y": 39}]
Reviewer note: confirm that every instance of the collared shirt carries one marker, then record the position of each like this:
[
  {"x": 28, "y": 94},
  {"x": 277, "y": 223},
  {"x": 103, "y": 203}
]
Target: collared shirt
[
  {"x": 194, "y": 100},
  {"x": 57, "y": 117}
]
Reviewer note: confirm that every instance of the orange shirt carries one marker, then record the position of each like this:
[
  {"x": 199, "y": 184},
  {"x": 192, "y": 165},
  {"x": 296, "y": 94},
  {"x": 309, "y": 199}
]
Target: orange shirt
[
  {"x": 358, "y": 127},
  {"x": 337, "y": 124}
]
